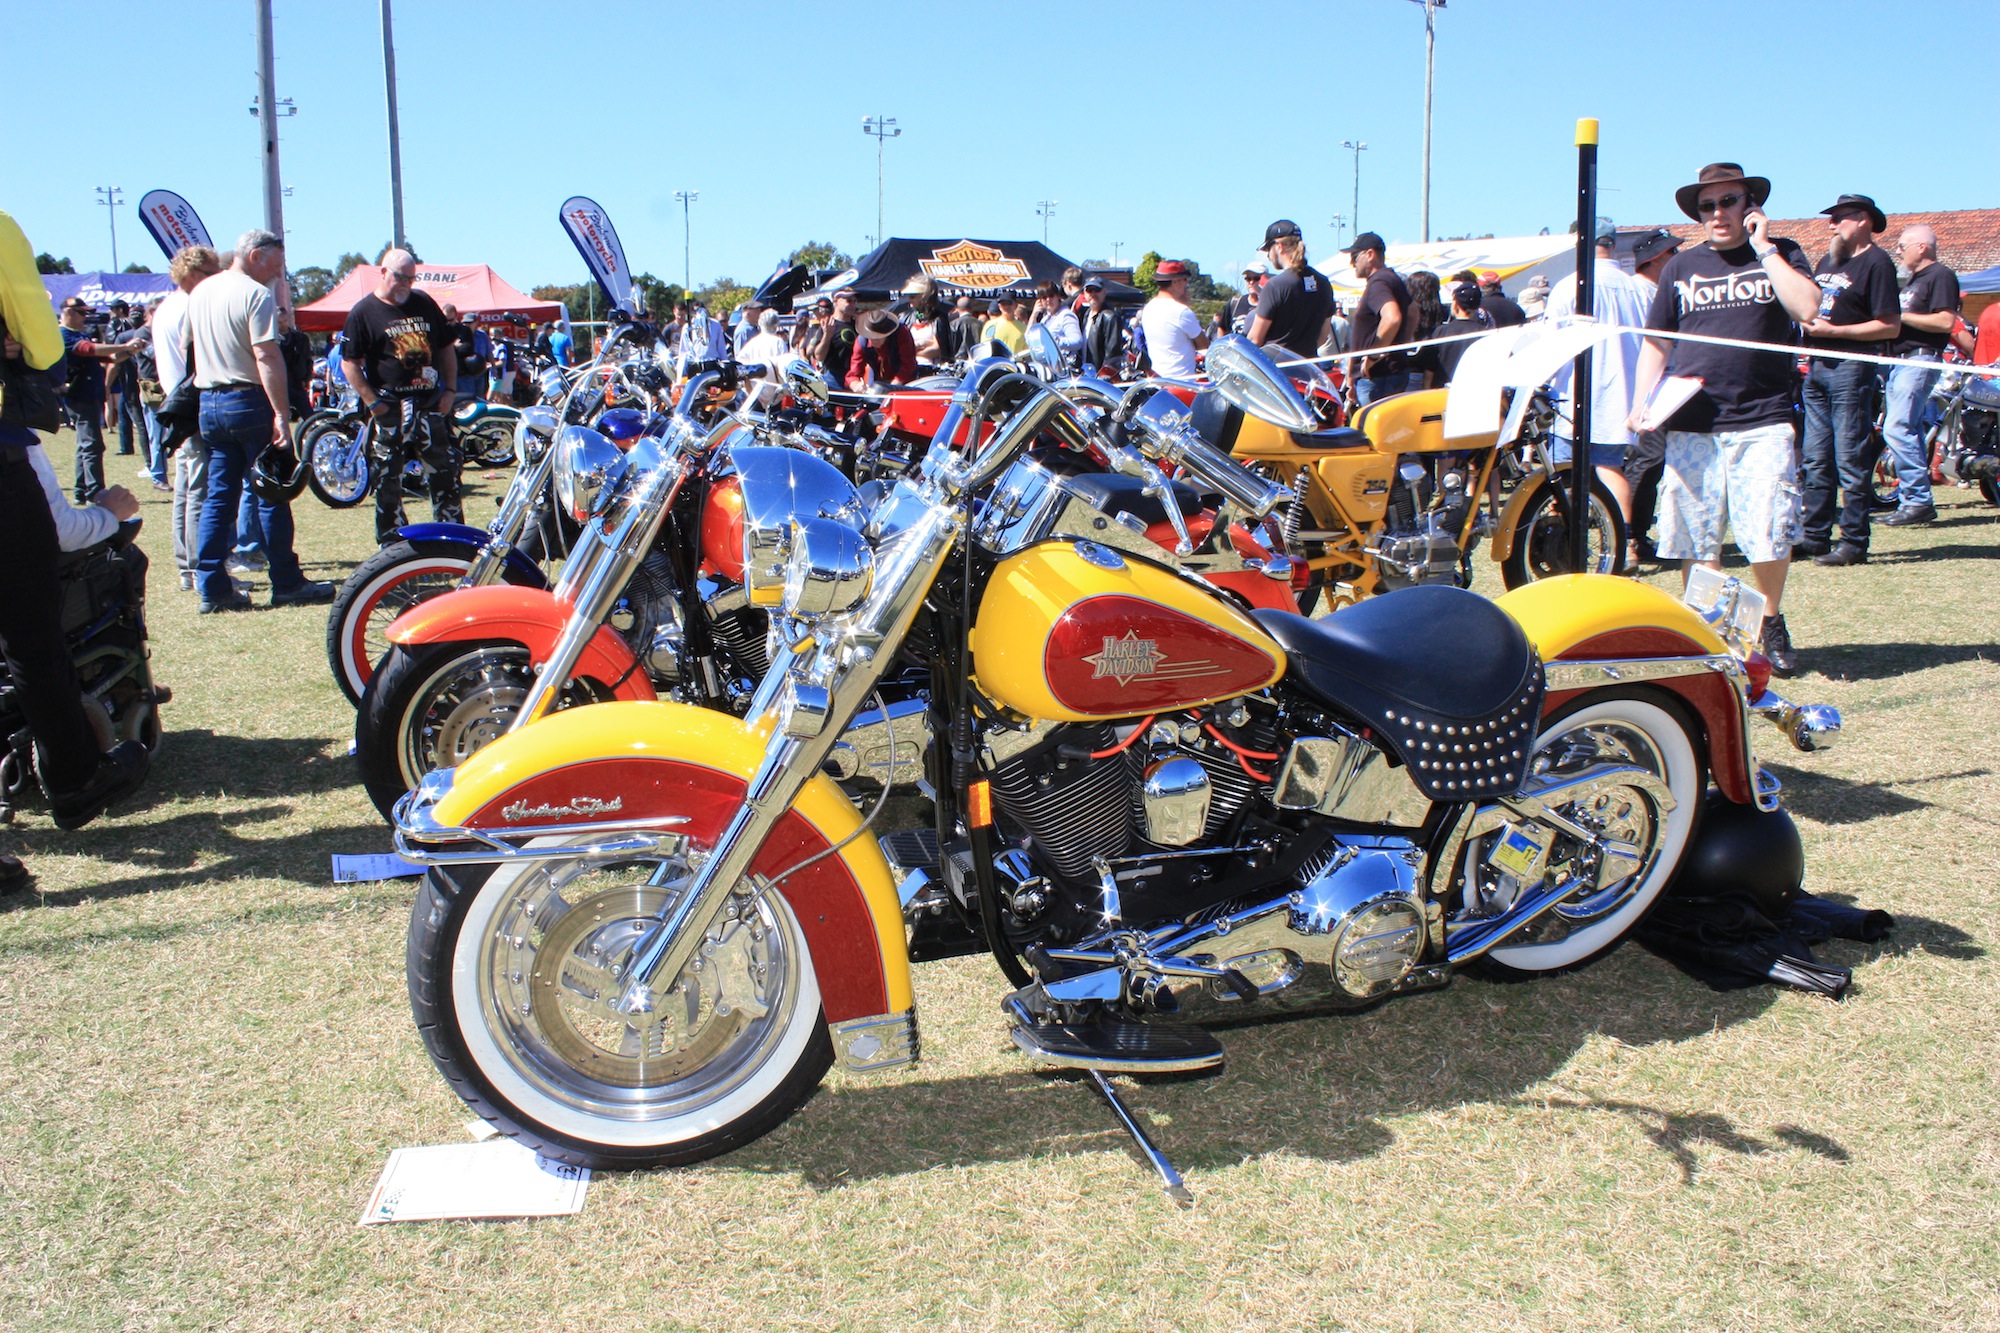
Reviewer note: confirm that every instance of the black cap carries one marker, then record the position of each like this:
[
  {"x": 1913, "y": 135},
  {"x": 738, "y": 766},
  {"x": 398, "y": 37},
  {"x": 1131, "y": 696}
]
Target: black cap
[
  {"x": 1466, "y": 294},
  {"x": 1368, "y": 240},
  {"x": 1649, "y": 246},
  {"x": 1876, "y": 221},
  {"x": 120, "y": 304},
  {"x": 1093, "y": 283},
  {"x": 1279, "y": 230},
  {"x": 75, "y": 303}
]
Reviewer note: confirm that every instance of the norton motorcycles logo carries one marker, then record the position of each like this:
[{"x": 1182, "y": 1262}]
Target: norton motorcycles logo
[
  {"x": 577, "y": 805},
  {"x": 979, "y": 267},
  {"x": 1731, "y": 289}
]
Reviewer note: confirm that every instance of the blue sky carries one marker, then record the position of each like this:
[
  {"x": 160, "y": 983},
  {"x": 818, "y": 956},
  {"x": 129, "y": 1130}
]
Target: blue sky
[{"x": 1183, "y": 128}]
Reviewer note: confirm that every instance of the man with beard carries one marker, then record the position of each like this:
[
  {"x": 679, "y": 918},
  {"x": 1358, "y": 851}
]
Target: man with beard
[
  {"x": 1930, "y": 310},
  {"x": 836, "y": 344},
  {"x": 1857, "y": 313},
  {"x": 1729, "y": 446},
  {"x": 398, "y": 353},
  {"x": 1103, "y": 334}
]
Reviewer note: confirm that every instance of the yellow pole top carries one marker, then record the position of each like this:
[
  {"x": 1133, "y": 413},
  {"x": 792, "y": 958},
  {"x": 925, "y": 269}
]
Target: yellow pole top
[{"x": 1586, "y": 133}]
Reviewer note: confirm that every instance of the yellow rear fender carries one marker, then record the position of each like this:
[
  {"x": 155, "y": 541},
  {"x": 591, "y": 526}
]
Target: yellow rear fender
[
  {"x": 624, "y": 763},
  {"x": 1565, "y": 613}
]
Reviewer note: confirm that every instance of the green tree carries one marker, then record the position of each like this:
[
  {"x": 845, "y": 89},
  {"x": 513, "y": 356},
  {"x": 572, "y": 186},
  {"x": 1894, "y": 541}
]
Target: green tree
[
  {"x": 309, "y": 284},
  {"x": 658, "y": 297},
  {"x": 137, "y": 268},
  {"x": 722, "y": 296},
  {"x": 345, "y": 265},
  {"x": 48, "y": 263},
  {"x": 580, "y": 299},
  {"x": 819, "y": 255},
  {"x": 1142, "y": 273}
]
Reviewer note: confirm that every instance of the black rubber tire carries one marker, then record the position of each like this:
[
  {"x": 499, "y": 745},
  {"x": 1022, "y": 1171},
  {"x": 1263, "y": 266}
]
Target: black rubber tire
[
  {"x": 367, "y": 587},
  {"x": 309, "y": 438},
  {"x": 385, "y": 705},
  {"x": 489, "y": 445},
  {"x": 1487, "y": 967},
  {"x": 1539, "y": 555},
  {"x": 442, "y": 902}
]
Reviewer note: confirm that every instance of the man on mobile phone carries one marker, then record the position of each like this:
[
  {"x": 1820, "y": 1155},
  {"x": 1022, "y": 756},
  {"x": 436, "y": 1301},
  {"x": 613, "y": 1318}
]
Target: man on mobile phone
[{"x": 1730, "y": 446}]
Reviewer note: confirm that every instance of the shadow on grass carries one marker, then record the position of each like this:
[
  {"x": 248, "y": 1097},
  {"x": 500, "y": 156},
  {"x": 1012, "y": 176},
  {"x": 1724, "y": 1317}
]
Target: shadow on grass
[
  {"x": 1830, "y": 799},
  {"x": 194, "y": 848},
  {"x": 1931, "y": 554},
  {"x": 201, "y": 765},
  {"x": 1884, "y": 661},
  {"x": 1320, "y": 1087}
]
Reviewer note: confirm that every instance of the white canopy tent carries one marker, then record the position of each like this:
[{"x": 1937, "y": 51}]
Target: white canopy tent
[{"x": 1517, "y": 259}]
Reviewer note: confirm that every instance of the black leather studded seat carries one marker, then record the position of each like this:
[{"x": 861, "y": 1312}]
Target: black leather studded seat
[{"x": 1446, "y": 679}]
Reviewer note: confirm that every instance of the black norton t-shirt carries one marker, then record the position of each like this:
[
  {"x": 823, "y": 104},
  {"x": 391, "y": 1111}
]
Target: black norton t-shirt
[
  {"x": 1854, "y": 292},
  {"x": 1727, "y": 294},
  {"x": 395, "y": 343},
  {"x": 1298, "y": 304}
]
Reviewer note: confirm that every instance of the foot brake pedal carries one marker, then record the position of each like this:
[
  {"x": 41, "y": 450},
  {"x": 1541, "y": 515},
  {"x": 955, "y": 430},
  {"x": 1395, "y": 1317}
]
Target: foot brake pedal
[{"x": 1120, "y": 1048}]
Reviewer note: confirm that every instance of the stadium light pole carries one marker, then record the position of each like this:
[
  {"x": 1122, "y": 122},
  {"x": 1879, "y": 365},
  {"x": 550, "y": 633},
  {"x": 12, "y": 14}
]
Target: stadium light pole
[
  {"x": 686, "y": 198},
  {"x": 395, "y": 137},
  {"x": 111, "y": 197},
  {"x": 881, "y": 129},
  {"x": 1338, "y": 221},
  {"x": 1116, "y": 246},
  {"x": 1046, "y": 209},
  {"x": 1431, "y": 7},
  {"x": 1357, "y": 147}
]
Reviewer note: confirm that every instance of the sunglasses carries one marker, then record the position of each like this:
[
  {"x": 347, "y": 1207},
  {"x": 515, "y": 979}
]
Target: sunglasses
[
  {"x": 411, "y": 276},
  {"x": 1706, "y": 206}
]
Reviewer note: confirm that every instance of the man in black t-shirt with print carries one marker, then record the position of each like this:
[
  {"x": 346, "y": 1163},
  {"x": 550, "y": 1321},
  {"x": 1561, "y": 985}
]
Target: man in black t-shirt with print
[
  {"x": 1729, "y": 447},
  {"x": 1379, "y": 317},
  {"x": 1929, "y": 308},
  {"x": 1857, "y": 313},
  {"x": 398, "y": 354}
]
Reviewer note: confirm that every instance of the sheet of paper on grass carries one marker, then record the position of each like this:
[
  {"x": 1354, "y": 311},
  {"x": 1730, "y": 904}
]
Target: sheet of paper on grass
[
  {"x": 384, "y": 865},
  {"x": 497, "y": 1178}
]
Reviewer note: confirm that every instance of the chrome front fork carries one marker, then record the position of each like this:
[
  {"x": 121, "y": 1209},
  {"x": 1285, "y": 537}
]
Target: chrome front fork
[{"x": 527, "y": 498}]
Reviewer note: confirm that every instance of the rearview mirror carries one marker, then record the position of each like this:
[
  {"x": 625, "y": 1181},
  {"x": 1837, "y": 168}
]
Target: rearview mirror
[{"x": 1249, "y": 380}]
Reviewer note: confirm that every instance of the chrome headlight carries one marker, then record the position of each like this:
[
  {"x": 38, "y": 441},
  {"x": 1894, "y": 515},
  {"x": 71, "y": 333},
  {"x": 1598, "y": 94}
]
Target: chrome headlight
[
  {"x": 585, "y": 464},
  {"x": 829, "y": 571},
  {"x": 553, "y": 385},
  {"x": 783, "y": 488},
  {"x": 533, "y": 430}
]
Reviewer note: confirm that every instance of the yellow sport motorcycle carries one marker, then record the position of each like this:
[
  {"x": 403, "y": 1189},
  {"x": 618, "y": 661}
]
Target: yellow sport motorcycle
[{"x": 647, "y": 930}]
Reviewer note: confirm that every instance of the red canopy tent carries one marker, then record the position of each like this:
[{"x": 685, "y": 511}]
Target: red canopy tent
[{"x": 477, "y": 291}]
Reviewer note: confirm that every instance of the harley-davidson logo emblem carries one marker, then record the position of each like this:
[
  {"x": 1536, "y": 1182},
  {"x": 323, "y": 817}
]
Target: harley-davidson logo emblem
[
  {"x": 1125, "y": 658},
  {"x": 576, "y": 805},
  {"x": 979, "y": 267}
]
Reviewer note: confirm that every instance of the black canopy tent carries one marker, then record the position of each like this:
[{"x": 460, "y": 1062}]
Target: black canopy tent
[{"x": 985, "y": 269}]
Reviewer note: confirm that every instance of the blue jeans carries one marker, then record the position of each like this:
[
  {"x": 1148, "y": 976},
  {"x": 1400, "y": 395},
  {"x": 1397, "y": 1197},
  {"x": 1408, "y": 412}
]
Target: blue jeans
[
  {"x": 1840, "y": 409},
  {"x": 249, "y": 527},
  {"x": 236, "y": 426},
  {"x": 156, "y": 457},
  {"x": 1370, "y": 387},
  {"x": 1909, "y": 390},
  {"x": 1611, "y": 457}
]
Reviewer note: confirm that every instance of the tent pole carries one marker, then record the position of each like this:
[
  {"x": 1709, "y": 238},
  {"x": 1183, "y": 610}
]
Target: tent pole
[{"x": 1582, "y": 390}]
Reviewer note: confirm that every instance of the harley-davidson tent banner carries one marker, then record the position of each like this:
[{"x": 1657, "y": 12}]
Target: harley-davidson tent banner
[{"x": 959, "y": 264}]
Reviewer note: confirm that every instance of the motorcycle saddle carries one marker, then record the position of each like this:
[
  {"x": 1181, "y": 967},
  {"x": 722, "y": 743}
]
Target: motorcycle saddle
[
  {"x": 1446, "y": 678},
  {"x": 1115, "y": 494}
]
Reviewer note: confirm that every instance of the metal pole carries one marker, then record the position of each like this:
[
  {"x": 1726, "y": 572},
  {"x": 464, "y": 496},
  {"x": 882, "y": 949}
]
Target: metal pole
[
  {"x": 1430, "y": 67},
  {"x": 1581, "y": 391},
  {"x": 687, "y": 198},
  {"x": 395, "y": 136},
  {"x": 111, "y": 196},
  {"x": 1357, "y": 146},
  {"x": 882, "y": 129},
  {"x": 267, "y": 120}
]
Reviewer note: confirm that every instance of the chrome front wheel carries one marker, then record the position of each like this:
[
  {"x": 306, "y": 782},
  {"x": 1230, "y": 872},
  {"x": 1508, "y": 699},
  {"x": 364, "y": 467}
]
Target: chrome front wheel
[{"x": 517, "y": 986}]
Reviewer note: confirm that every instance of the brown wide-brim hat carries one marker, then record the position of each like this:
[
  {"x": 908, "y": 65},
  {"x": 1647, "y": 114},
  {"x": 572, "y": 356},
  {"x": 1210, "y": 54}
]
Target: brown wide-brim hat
[
  {"x": 1721, "y": 173},
  {"x": 877, "y": 324}
]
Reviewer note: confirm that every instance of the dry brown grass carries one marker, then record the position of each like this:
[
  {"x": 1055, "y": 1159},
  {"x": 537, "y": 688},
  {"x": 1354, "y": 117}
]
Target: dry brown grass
[{"x": 207, "y": 1055}]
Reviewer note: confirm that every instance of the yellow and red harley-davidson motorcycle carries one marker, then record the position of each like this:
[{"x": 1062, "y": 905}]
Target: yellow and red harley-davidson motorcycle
[{"x": 648, "y": 930}]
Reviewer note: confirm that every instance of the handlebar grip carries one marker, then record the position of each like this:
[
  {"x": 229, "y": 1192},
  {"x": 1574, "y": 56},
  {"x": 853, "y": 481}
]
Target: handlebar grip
[{"x": 1221, "y": 472}]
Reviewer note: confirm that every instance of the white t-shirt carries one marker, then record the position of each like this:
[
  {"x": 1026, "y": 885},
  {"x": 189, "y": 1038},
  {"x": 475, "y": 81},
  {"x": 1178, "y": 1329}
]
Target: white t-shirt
[
  {"x": 230, "y": 313},
  {"x": 170, "y": 338},
  {"x": 1620, "y": 298},
  {"x": 1171, "y": 329},
  {"x": 765, "y": 349}
]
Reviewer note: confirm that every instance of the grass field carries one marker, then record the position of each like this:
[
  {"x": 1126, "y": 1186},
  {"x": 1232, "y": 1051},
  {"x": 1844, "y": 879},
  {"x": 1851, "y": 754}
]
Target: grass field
[{"x": 206, "y": 1055}]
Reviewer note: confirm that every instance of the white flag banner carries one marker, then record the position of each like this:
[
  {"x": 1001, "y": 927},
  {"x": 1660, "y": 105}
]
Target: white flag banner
[
  {"x": 590, "y": 230},
  {"x": 172, "y": 221}
]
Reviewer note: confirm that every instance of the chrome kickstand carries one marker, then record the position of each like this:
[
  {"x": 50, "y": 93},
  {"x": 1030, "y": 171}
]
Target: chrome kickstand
[{"x": 1170, "y": 1179}]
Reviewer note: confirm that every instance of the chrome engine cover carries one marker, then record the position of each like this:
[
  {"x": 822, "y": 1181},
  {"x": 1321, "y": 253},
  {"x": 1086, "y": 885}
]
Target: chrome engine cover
[{"x": 1361, "y": 916}]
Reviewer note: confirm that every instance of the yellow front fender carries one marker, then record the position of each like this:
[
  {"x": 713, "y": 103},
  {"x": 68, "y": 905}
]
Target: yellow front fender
[{"x": 629, "y": 762}]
